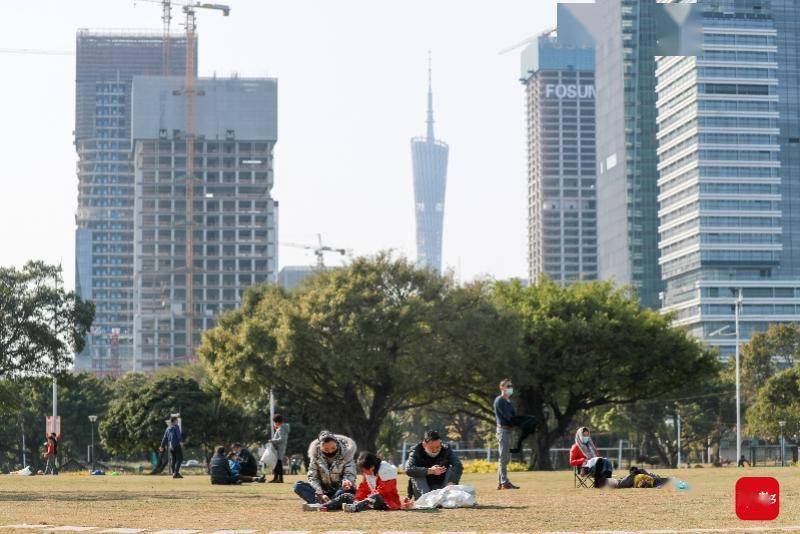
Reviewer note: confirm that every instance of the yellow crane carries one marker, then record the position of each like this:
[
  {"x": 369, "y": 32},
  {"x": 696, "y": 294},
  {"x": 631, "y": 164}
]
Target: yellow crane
[{"x": 190, "y": 93}]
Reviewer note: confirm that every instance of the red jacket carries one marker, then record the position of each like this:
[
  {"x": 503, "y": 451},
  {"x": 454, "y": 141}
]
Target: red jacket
[
  {"x": 576, "y": 456},
  {"x": 385, "y": 485}
]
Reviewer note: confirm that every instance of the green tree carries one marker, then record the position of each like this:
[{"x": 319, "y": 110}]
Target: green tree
[
  {"x": 777, "y": 400},
  {"x": 30, "y": 399},
  {"x": 351, "y": 346},
  {"x": 41, "y": 325},
  {"x": 135, "y": 422},
  {"x": 767, "y": 353},
  {"x": 588, "y": 345}
]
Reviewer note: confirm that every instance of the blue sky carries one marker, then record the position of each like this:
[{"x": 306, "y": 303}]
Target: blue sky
[{"x": 352, "y": 92}]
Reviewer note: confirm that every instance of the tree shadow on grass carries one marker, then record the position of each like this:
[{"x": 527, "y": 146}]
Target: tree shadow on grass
[
  {"x": 500, "y": 507},
  {"x": 106, "y": 496}
]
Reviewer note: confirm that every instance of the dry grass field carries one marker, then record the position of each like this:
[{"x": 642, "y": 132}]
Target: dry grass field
[{"x": 546, "y": 502}]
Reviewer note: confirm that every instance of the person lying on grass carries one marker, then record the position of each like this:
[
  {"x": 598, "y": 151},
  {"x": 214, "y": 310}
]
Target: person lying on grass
[
  {"x": 584, "y": 456},
  {"x": 639, "y": 478}
]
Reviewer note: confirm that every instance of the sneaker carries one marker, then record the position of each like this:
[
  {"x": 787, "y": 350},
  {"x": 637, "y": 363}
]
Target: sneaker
[
  {"x": 507, "y": 486},
  {"x": 261, "y": 479},
  {"x": 349, "y": 508},
  {"x": 177, "y": 475},
  {"x": 312, "y": 507}
]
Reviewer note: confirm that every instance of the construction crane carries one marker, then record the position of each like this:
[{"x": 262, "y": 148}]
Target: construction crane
[
  {"x": 190, "y": 93},
  {"x": 166, "y": 21},
  {"x": 36, "y": 52},
  {"x": 319, "y": 250}
]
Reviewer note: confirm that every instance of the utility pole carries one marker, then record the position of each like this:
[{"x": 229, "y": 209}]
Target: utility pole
[
  {"x": 679, "y": 440},
  {"x": 738, "y": 394}
]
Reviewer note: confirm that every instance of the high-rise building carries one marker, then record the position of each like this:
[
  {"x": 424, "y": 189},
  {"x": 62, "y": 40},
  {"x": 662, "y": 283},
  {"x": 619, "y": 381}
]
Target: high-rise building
[
  {"x": 291, "y": 276},
  {"x": 624, "y": 35},
  {"x": 627, "y": 35},
  {"x": 105, "y": 66},
  {"x": 233, "y": 215},
  {"x": 562, "y": 178},
  {"x": 429, "y": 158},
  {"x": 727, "y": 120}
]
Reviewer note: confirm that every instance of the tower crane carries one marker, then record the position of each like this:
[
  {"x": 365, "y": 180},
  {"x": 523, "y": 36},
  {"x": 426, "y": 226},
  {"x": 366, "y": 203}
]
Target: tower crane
[
  {"x": 190, "y": 92},
  {"x": 319, "y": 250}
]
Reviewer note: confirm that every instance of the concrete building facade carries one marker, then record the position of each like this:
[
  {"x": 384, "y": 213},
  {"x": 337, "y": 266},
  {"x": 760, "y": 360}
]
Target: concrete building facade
[
  {"x": 562, "y": 178},
  {"x": 106, "y": 63},
  {"x": 234, "y": 224}
]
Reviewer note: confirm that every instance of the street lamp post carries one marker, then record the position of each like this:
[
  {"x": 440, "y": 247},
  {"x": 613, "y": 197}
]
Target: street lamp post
[
  {"x": 783, "y": 443},
  {"x": 92, "y": 419},
  {"x": 736, "y": 307}
]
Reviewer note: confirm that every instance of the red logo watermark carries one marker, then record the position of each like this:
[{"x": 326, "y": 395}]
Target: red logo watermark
[{"x": 757, "y": 498}]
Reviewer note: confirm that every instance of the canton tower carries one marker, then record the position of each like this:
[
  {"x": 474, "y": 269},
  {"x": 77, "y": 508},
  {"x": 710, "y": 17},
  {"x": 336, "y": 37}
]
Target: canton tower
[{"x": 429, "y": 158}]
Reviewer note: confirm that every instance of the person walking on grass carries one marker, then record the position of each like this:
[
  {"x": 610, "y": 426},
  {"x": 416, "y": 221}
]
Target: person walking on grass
[
  {"x": 280, "y": 438},
  {"x": 504, "y": 414},
  {"x": 173, "y": 438}
]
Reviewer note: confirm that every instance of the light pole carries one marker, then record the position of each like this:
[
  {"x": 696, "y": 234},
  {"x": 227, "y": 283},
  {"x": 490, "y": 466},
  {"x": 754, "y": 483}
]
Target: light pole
[
  {"x": 736, "y": 309},
  {"x": 783, "y": 447},
  {"x": 92, "y": 419}
]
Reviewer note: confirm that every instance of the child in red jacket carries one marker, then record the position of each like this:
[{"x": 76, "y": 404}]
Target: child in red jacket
[{"x": 378, "y": 488}]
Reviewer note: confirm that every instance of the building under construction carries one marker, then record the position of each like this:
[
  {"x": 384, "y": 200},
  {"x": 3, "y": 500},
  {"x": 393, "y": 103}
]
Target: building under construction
[
  {"x": 229, "y": 226},
  {"x": 106, "y": 63}
]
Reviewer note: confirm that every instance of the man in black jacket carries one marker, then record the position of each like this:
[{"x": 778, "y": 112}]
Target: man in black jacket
[
  {"x": 432, "y": 465},
  {"x": 221, "y": 470},
  {"x": 248, "y": 465}
]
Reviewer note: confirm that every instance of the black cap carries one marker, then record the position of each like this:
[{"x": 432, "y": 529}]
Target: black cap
[{"x": 431, "y": 435}]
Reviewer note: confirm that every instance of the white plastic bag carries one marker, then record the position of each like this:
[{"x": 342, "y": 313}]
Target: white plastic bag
[
  {"x": 24, "y": 472},
  {"x": 269, "y": 458},
  {"x": 448, "y": 497}
]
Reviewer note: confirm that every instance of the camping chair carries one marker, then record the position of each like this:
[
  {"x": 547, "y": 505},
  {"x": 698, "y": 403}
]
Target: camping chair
[{"x": 582, "y": 478}]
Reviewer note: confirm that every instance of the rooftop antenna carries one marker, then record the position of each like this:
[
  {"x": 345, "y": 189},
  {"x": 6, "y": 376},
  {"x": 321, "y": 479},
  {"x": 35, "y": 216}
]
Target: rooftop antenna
[{"x": 430, "y": 98}]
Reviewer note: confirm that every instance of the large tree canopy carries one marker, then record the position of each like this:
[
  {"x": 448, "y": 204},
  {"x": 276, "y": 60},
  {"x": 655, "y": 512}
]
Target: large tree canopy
[
  {"x": 41, "y": 325},
  {"x": 777, "y": 400},
  {"x": 767, "y": 353},
  {"x": 135, "y": 421},
  {"x": 588, "y": 345},
  {"x": 352, "y": 345}
]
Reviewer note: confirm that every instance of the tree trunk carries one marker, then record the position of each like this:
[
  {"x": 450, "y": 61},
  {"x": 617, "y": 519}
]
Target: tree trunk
[{"x": 541, "y": 458}]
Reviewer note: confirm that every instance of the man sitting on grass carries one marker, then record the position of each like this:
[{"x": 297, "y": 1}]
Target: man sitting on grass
[
  {"x": 331, "y": 472},
  {"x": 248, "y": 466},
  {"x": 220, "y": 469},
  {"x": 432, "y": 465}
]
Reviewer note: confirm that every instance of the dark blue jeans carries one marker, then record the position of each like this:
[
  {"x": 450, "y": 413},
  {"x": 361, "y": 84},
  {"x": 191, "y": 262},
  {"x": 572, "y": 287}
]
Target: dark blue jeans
[{"x": 306, "y": 491}]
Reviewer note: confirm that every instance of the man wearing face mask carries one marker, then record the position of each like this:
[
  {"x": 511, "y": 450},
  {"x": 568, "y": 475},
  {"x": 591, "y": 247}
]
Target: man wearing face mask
[
  {"x": 504, "y": 414},
  {"x": 331, "y": 472},
  {"x": 432, "y": 465}
]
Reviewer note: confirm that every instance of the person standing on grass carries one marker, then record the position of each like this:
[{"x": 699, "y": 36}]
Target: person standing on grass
[
  {"x": 174, "y": 439},
  {"x": 504, "y": 414},
  {"x": 280, "y": 438},
  {"x": 50, "y": 454}
]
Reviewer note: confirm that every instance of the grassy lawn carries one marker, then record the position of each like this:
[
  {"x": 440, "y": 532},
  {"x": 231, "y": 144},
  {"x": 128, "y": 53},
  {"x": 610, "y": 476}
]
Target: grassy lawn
[{"x": 546, "y": 502}]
